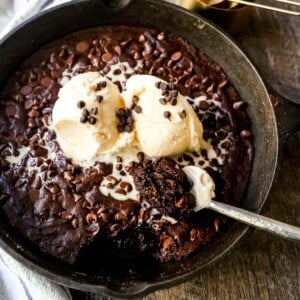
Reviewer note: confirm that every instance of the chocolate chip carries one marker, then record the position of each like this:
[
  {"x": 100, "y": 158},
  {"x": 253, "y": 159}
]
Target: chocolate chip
[
  {"x": 161, "y": 36},
  {"x": 176, "y": 56},
  {"x": 135, "y": 99},
  {"x": 26, "y": 90},
  {"x": 117, "y": 72},
  {"x": 182, "y": 115},
  {"x": 75, "y": 223},
  {"x": 167, "y": 114},
  {"x": 83, "y": 119},
  {"x": 10, "y": 110},
  {"x": 121, "y": 191},
  {"x": 119, "y": 167},
  {"x": 171, "y": 86},
  {"x": 238, "y": 105},
  {"x": 94, "y": 111},
  {"x": 204, "y": 105},
  {"x": 54, "y": 189},
  {"x": 106, "y": 57},
  {"x": 119, "y": 159},
  {"x": 92, "y": 120},
  {"x": 91, "y": 218},
  {"x": 163, "y": 86},
  {"x": 46, "y": 81},
  {"x": 99, "y": 98},
  {"x": 142, "y": 38},
  {"x": 80, "y": 104},
  {"x": 180, "y": 202},
  {"x": 28, "y": 104},
  {"x": 126, "y": 186},
  {"x": 245, "y": 134},
  {"x": 138, "y": 109},
  {"x": 118, "y": 50},
  {"x": 157, "y": 84},
  {"x": 85, "y": 112},
  {"x": 121, "y": 216},
  {"x": 162, "y": 101},
  {"x": 140, "y": 156},
  {"x": 222, "y": 84},
  {"x": 82, "y": 47},
  {"x": 100, "y": 85},
  {"x": 194, "y": 233},
  {"x": 173, "y": 101}
]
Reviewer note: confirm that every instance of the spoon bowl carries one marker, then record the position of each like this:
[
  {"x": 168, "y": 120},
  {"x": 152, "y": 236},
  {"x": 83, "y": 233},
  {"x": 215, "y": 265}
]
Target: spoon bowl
[{"x": 203, "y": 189}]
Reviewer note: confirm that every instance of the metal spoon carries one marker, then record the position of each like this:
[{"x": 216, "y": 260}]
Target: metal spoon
[{"x": 203, "y": 190}]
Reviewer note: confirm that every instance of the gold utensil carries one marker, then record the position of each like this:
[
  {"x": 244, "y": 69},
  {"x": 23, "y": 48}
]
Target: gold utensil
[{"x": 206, "y": 4}]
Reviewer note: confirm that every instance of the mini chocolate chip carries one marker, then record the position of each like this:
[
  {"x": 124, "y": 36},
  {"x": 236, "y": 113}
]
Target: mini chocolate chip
[
  {"x": 92, "y": 120},
  {"x": 100, "y": 85},
  {"x": 75, "y": 222},
  {"x": 121, "y": 191},
  {"x": 119, "y": 159},
  {"x": 163, "y": 86},
  {"x": 119, "y": 167},
  {"x": 182, "y": 115},
  {"x": 85, "y": 112},
  {"x": 91, "y": 218},
  {"x": 157, "y": 84},
  {"x": 245, "y": 134},
  {"x": 161, "y": 36},
  {"x": 173, "y": 101},
  {"x": 222, "y": 84},
  {"x": 106, "y": 57},
  {"x": 83, "y": 119},
  {"x": 140, "y": 156},
  {"x": 176, "y": 56},
  {"x": 171, "y": 86},
  {"x": 99, "y": 98},
  {"x": 204, "y": 105},
  {"x": 118, "y": 50},
  {"x": 135, "y": 99},
  {"x": 80, "y": 104},
  {"x": 54, "y": 189},
  {"x": 194, "y": 233},
  {"x": 46, "y": 81},
  {"x": 174, "y": 93},
  {"x": 117, "y": 72},
  {"x": 162, "y": 101},
  {"x": 238, "y": 105},
  {"x": 26, "y": 90},
  {"x": 82, "y": 47},
  {"x": 167, "y": 114},
  {"x": 138, "y": 109},
  {"x": 94, "y": 111}
]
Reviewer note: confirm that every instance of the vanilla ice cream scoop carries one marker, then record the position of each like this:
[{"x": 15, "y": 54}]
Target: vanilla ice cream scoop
[
  {"x": 84, "y": 116},
  {"x": 165, "y": 123}
]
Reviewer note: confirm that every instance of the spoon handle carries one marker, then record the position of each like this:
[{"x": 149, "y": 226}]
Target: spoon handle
[{"x": 258, "y": 221}]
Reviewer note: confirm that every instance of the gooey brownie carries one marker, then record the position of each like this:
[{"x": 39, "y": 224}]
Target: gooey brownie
[{"x": 142, "y": 205}]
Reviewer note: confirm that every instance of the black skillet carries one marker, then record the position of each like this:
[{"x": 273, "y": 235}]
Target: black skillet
[{"x": 134, "y": 276}]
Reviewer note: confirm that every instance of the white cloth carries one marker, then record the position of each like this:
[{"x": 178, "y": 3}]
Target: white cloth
[{"x": 17, "y": 282}]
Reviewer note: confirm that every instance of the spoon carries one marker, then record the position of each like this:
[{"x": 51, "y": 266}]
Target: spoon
[{"x": 203, "y": 189}]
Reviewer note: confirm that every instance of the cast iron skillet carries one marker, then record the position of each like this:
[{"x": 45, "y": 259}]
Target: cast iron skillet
[{"x": 133, "y": 276}]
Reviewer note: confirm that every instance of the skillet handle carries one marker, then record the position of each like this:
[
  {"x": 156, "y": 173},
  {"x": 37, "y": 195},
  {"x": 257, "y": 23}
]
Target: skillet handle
[{"x": 287, "y": 116}]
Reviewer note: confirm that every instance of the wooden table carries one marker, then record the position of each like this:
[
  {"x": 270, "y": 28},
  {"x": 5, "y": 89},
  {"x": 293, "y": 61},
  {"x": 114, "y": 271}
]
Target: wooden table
[{"x": 263, "y": 266}]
